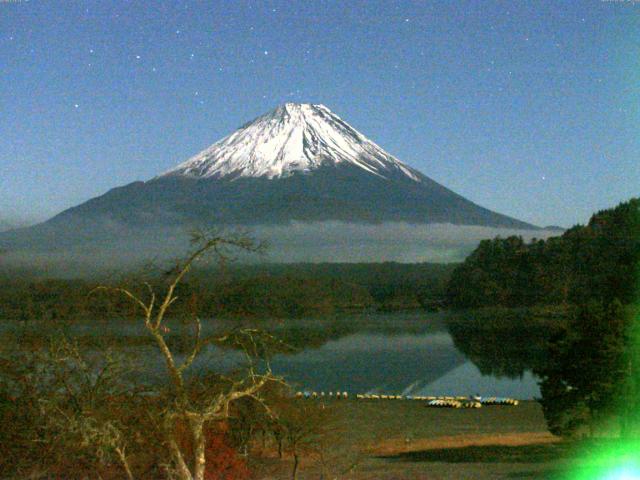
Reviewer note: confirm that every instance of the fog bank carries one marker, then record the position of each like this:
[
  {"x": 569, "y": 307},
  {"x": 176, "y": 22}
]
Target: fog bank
[
  {"x": 334, "y": 242},
  {"x": 387, "y": 242}
]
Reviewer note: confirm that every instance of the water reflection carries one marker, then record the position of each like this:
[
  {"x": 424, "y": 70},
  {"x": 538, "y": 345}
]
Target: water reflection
[
  {"x": 423, "y": 354},
  {"x": 502, "y": 343},
  {"x": 467, "y": 378},
  {"x": 415, "y": 353},
  {"x": 371, "y": 362}
]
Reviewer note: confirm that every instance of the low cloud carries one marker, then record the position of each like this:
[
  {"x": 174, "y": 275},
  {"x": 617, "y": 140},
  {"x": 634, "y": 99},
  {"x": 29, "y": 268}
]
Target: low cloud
[
  {"x": 295, "y": 242},
  {"x": 398, "y": 242}
]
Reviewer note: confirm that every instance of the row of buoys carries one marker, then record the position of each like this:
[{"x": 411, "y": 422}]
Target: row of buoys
[
  {"x": 498, "y": 401},
  {"x": 442, "y": 402},
  {"x": 338, "y": 395},
  {"x": 372, "y": 396}
]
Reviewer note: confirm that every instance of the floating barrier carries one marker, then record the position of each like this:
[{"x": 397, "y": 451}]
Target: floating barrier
[
  {"x": 442, "y": 401},
  {"x": 498, "y": 401},
  {"x": 445, "y": 403}
]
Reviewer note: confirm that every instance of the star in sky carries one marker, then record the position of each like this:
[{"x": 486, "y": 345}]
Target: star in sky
[{"x": 494, "y": 75}]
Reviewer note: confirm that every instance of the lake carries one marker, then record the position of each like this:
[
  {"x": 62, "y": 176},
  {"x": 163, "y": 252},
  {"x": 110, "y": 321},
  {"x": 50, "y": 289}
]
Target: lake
[
  {"x": 396, "y": 353},
  {"x": 410, "y": 354}
]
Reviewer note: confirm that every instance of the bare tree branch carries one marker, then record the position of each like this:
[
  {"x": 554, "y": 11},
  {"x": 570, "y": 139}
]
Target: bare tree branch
[{"x": 187, "y": 408}]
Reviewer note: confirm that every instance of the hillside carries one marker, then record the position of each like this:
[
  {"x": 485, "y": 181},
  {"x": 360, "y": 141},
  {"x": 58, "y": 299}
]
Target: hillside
[{"x": 600, "y": 260}]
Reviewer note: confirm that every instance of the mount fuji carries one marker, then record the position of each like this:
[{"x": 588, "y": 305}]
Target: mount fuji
[
  {"x": 296, "y": 163},
  {"x": 293, "y": 138}
]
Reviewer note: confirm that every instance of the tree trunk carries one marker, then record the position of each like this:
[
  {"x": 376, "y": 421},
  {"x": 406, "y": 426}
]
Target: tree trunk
[
  {"x": 199, "y": 460},
  {"x": 322, "y": 464},
  {"x": 172, "y": 370},
  {"x": 294, "y": 475},
  {"x": 125, "y": 462},
  {"x": 183, "y": 471}
]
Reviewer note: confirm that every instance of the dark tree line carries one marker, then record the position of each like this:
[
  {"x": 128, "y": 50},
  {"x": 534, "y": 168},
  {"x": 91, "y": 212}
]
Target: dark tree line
[
  {"x": 591, "y": 371},
  {"x": 595, "y": 262},
  {"x": 275, "y": 291}
]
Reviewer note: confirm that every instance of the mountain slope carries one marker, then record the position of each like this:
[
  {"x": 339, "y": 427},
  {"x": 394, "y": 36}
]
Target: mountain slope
[{"x": 298, "y": 162}]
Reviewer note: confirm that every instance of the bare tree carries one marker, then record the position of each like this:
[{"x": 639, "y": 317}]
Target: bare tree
[
  {"x": 63, "y": 404},
  {"x": 196, "y": 408},
  {"x": 299, "y": 427}
]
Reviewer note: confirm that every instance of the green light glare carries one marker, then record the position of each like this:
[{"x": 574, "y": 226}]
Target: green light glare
[
  {"x": 617, "y": 458},
  {"x": 623, "y": 473},
  {"x": 613, "y": 459}
]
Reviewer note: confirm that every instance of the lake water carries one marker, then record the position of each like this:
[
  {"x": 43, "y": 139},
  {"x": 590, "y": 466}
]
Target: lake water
[
  {"x": 394, "y": 353},
  {"x": 411, "y": 354}
]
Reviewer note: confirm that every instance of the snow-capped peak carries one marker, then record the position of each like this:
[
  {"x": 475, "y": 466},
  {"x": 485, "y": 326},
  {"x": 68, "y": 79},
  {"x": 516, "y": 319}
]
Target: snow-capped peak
[{"x": 291, "y": 138}]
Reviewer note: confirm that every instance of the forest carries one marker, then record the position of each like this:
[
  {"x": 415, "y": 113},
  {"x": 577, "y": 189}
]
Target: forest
[
  {"x": 594, "y": 262},
  {"x": 585, "y": 281},
  {"x": 268, "y": 291}
]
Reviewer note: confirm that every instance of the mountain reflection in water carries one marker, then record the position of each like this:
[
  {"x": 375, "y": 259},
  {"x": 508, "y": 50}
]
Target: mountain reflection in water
[
  {"x": 414, "y": 354},
  {"x": 397, "y": 353}
]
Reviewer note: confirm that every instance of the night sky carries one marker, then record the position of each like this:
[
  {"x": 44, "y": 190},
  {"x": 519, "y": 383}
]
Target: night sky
[{"x": 527, "y": 108}]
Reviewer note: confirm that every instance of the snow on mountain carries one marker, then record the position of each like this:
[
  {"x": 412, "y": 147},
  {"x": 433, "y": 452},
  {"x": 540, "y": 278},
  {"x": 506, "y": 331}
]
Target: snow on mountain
[
  {"x": 292, "y": 138},
  {"x": 300, "y": 171}
]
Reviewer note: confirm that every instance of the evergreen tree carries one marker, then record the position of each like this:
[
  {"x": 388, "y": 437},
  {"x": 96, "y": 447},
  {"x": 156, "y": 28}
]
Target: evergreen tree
[
  {"x": 599, "y": 261},
  {"x": 584, "y": 376}
]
